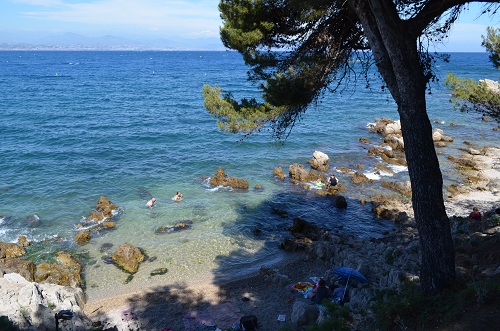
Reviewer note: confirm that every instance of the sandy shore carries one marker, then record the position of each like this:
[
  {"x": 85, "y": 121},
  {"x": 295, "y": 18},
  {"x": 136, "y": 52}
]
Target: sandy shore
[{"x": 168, "y": 305}]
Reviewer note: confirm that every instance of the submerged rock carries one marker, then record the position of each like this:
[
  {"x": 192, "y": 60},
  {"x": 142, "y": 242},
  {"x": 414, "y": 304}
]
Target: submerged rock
[
  {"x": 105, "y": 247},
  {"x": 159, "y": 271},
  {"x": 183, "y": 225}
]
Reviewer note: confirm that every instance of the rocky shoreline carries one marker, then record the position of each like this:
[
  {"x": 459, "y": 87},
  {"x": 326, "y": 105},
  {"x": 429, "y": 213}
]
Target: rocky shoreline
[{"x": 388, "y": 263}]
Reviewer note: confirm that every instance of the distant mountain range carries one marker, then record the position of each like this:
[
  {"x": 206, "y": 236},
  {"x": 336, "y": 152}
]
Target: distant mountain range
[{"x": 73, "y": 41}]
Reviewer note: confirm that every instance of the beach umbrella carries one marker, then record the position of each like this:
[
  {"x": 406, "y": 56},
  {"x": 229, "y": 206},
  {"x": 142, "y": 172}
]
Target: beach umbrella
[{"x": 349, "y": 273}]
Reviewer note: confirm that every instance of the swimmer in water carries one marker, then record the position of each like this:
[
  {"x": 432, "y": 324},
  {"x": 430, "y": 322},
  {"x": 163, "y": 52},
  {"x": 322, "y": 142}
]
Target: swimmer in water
[
  {"x": 151, "y": 203},
  {"x": 177, "y": 197}
]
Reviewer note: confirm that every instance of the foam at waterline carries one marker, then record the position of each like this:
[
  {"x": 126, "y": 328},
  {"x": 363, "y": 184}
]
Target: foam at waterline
[
  {"x": 397, "y": 168},
  {"x": 220, "y": 188},
  {"x": 377, "y": 174}
]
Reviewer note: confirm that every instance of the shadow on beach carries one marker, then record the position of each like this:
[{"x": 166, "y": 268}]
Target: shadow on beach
[{"x": 235, "y": 293}]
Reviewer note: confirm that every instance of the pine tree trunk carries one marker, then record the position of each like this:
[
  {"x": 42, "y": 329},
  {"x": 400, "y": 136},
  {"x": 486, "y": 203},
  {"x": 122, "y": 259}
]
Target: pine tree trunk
[
  {"x": 397, "y": 59},
  {"x": 437, "y": 252}
]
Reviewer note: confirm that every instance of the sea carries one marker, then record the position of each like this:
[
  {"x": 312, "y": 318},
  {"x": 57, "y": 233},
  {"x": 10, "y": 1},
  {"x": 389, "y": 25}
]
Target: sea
[{"x": 131, "y": 125}]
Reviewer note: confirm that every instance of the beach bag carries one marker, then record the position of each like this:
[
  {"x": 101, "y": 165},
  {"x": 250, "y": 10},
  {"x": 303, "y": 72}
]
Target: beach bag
[{"x": 248, "y": 323}]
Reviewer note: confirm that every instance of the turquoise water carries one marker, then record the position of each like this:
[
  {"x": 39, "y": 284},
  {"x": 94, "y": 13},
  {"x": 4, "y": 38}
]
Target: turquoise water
[{"x": 130, "y": 125}]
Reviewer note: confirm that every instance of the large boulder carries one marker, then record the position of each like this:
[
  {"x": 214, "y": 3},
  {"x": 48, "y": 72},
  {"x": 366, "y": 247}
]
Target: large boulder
[
  {"x": 82, "y": 237},
  {"x": 392, "y": 128},
  {"x": 103, "y": 210},
  {"x": 358, "y": 178},
  {"x": 33, "y": 306},
  {"x": 105, "y": 206},
  {"x": 340, "y": 202},
  {"x": 221, "y": 179},
  {"x": 438, "y": 135},
  {"x": 395, "y": 141},
  {"x": 305, "y": 312},
  {"x": 67, "y": 272},
  {"x": 23, "y": 267},
  {"x": 278, "y": 172},
  {"x": 12, "y": 249},
  {"x": 23, "y": 241},
  {"x": 303, "y": 228},
  {"x": 401, "y": 187},
  {"x": 128, "y": 257},
  {"x": 319, "y": 161},
  {"x": 299, "y": 173}
]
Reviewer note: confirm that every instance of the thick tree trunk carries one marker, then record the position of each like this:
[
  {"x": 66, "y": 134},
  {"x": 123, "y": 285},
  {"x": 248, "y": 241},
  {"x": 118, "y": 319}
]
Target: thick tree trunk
[
  {"x": 396, "y": 56},
  {"x": 437, "y": 251},
  {"x": 437, "y": 269}
]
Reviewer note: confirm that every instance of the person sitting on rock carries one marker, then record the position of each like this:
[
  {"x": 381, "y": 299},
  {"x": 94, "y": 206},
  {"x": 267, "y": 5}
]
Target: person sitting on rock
[
  {"x": 319, "y": 293},
  {"x": 475, "y": 215},
  {"x": 332, "y": 181}
]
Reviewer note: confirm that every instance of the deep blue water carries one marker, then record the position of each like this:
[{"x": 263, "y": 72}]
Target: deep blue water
[{"x": 130, "y": 125}]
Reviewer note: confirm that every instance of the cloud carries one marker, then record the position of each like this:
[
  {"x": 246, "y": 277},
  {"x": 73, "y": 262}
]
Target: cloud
[
  {"x": 178, "y": 16},
  {"x": 42, "y": 3}
]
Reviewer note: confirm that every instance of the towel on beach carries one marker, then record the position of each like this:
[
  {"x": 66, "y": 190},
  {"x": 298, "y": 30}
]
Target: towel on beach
[{"x": 303, "y": 287}]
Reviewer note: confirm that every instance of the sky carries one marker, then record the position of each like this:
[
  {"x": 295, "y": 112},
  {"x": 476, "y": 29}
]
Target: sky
[{"x": 192, "y": 21}]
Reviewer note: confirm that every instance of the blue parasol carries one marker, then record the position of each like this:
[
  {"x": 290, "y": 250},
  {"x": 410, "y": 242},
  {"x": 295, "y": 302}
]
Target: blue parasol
[{"x": 350, "y": 273}]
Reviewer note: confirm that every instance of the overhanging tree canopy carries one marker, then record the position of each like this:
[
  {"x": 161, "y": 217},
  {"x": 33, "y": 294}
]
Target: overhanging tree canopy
[{"x": 317, "y": 41}]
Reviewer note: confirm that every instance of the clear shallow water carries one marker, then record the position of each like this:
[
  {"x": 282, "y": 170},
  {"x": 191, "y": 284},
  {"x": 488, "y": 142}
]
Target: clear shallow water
[{"x": 128, "y": 125}]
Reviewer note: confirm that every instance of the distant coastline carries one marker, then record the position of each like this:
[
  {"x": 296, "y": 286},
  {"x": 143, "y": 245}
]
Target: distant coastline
[
  {"x": 125, "y": 48},
  {"x": 30, "y": 47}
]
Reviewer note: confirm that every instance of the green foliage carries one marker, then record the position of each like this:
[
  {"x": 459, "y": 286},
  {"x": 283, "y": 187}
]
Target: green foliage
[
  {"x": 233, "y": 117},
  {"x": 492, "y": 44},
  {"x": 24, "y": 312},
  {"x": 416, "y": 311},
  {"x": 468, "y": 95},
  {"x": 338, "y": 318},
  {"x": 295, "y": 49}
]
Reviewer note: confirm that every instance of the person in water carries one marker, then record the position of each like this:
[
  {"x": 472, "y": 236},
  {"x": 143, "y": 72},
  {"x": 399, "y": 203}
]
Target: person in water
[
  {"x": 178, "y": 196},
  {"x": 151, "y": 203}
]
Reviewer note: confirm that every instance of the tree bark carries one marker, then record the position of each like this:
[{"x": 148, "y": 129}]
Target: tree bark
[
  {"x": 395, "y": 52},
  {"x": 437, "y": 269}
]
